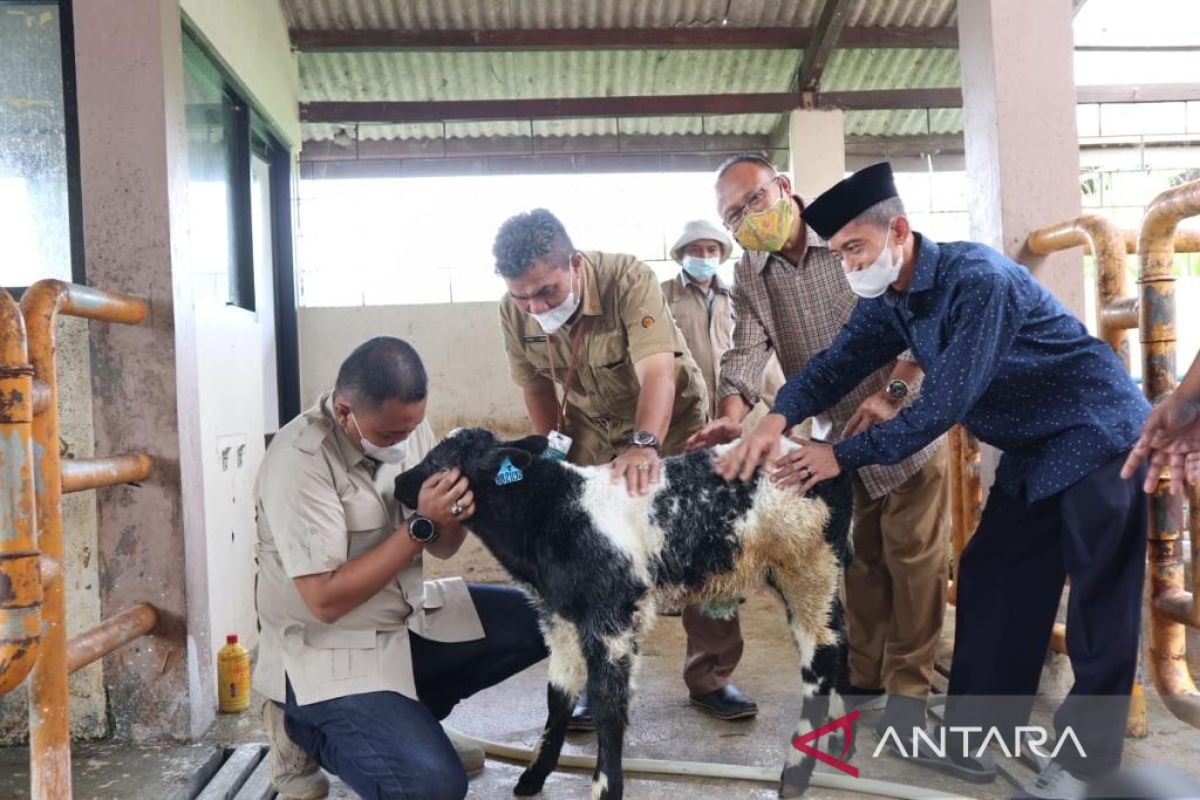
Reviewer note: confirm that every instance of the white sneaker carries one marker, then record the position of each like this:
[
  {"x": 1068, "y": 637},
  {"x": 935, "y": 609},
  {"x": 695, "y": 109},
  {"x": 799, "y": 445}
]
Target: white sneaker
[
  {"x": 293, "y": 773},
  {"x": 1055, "y": 783}
]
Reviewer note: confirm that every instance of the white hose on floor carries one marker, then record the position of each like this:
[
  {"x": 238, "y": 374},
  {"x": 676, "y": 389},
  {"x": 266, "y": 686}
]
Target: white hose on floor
[{"x": 700, "y": 769}]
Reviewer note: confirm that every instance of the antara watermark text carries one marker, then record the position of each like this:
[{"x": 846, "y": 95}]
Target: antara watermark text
[{"x": 939, "y": 741}]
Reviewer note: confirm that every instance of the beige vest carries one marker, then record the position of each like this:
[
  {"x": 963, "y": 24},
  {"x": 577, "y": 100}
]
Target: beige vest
[{"x": 320, "y": 503}]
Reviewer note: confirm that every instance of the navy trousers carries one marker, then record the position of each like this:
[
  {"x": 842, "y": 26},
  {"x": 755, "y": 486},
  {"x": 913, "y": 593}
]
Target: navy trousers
[
  {"x": 1010, "y": 582},
  {"x": 386, "y": 746}
]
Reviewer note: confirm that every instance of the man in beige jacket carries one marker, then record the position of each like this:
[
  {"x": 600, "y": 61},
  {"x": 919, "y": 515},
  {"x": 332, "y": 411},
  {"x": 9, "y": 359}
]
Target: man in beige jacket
[{"x": 359, "y": 656}]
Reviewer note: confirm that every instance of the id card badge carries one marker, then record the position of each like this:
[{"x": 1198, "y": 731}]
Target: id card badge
[{"x": 558, "y": 447}]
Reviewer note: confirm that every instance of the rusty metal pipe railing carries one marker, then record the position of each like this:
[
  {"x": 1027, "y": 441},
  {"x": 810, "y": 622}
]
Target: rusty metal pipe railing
[
  {"x": 1156, "y": 276},
  {"x": 112, "y": 633},
  {"x": 20, "y": 581},
  {"x": 81, "y": 474},
  {"x": 1105, "y": 242},
  {"x": 49, "y": 721},
  {"x": 1185, "y": 241}
]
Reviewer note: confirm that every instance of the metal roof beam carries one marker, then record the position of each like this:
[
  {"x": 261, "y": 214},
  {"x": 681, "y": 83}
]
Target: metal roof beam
[
  {"x": 782, "y": 38},
  {"x": 397, "y": 112},
  {"x": 820, "y": 47}
]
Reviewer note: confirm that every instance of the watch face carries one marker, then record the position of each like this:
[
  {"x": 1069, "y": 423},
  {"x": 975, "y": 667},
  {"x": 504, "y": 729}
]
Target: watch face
[
  {"x": 898, "y": 389},
  {"x": 645, "y": 439},
  {"x": 421, "y": 529}
]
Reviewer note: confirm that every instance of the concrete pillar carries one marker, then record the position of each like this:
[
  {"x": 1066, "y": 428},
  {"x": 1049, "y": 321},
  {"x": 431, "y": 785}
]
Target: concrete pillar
[
  {"x": 1022, "y": 148},
  {"x": 817, "y": 145},
  {"x": 145, "y": 378}
]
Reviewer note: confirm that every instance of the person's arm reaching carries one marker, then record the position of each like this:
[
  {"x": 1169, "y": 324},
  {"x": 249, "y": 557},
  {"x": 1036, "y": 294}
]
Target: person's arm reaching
[{"x": 1171, "y": 436}]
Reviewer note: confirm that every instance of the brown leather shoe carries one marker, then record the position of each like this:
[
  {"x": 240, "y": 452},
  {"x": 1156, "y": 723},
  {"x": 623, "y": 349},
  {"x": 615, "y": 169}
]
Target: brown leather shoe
[{"x": 727, "y": 703}]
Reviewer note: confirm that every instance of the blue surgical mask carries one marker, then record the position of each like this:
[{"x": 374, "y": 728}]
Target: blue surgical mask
[
  {"x": 393, "y": 454},
  {"x": 701, "y": 268}
]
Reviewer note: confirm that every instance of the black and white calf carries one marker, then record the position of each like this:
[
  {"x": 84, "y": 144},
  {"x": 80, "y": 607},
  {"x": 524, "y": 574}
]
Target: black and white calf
[{"x": 594, "y": 560}]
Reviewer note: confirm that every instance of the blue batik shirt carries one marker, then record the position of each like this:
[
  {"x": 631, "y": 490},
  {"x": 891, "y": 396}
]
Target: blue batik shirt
[{"x": 1000, "y": 355}]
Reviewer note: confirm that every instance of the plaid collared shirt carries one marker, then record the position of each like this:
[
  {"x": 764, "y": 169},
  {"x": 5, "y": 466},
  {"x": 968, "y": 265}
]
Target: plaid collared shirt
[{"x": 796, "y": 311}]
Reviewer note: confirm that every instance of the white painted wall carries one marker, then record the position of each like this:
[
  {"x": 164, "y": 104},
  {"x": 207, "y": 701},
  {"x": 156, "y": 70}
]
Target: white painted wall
[
  {"x": 250, "y": 39},
  {"x": 460, "y": 344},
  {"x": 231, "y": 432}
]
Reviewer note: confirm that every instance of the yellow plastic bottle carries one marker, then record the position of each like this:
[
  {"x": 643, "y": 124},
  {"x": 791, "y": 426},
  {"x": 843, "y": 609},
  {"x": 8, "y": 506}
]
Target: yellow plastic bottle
[{"x": 233, "y": 676}]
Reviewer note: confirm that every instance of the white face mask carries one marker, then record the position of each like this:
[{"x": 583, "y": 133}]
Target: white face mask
[
  {"x": 556, "y": 317},
  {"x": 874, "y": 279},
  {"x": 393, "y": 454}
]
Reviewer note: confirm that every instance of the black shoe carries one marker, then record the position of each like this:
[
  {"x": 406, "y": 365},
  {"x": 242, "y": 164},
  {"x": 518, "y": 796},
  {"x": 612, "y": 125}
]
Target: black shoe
[
  {"x": 581, "y": 717},
  {"x": 725, "y": 703},
  {"x": 967, "y": 768}
]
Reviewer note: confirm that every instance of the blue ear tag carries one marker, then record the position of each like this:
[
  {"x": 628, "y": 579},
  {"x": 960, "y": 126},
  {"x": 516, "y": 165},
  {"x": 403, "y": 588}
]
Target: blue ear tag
[{"x": 508, "y": 473}]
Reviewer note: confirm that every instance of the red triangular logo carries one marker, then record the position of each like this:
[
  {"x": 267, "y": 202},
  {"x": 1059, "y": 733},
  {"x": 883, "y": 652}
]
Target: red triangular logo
[{"x": 801, "y": 743}]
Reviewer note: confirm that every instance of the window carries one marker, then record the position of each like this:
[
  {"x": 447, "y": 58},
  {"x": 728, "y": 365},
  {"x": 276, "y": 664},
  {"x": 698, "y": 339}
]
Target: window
[
  {"x": 38, "y": 145},
  {"x": 220, "y": 258}
]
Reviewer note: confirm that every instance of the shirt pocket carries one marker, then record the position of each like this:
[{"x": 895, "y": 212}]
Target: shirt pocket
[{"x": 340, "y": 654}]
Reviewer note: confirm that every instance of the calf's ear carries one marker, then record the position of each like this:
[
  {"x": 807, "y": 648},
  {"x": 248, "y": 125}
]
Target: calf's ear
[
  {"x": 408, "y": 486},
  {"x": 533, "y": 444}
]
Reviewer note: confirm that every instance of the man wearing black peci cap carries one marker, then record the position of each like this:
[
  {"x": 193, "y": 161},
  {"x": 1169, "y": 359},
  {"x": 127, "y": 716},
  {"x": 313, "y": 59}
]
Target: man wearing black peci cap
[{"x": 1007, "y": 361}]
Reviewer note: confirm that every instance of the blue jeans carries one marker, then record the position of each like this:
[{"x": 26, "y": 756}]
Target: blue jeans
[{"x": 386, "y": 746}]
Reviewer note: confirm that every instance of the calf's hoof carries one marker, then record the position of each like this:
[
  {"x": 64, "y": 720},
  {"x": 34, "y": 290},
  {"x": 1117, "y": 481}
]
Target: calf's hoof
[
  {"x": 529, "y": 784},
  {"x": 794, "y": 780}
]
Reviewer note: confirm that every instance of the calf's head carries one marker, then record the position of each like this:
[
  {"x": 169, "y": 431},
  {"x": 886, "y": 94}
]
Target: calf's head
[{"x": 476, "y": 452}]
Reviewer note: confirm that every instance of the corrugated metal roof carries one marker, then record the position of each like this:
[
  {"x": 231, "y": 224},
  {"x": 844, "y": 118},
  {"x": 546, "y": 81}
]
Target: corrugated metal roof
[
  {"x": 458, "y": 75},
  {"x": 518, "y": 14},
  {"x": 579, "y": 73}
]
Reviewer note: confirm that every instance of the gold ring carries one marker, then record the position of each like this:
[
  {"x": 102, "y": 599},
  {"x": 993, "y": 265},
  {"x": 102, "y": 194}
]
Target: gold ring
[{"x": 643, "y": 466}]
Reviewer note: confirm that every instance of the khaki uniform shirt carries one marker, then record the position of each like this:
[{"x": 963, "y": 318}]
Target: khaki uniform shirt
[
  {"x": 626, "y": 320},
  {"x": 706, "y": 321},
  {"x": 321, "y": 502}
]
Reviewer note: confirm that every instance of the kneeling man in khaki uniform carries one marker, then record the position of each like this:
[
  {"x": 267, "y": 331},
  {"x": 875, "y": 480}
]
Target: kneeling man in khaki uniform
[{"x": 359, "y": 656}]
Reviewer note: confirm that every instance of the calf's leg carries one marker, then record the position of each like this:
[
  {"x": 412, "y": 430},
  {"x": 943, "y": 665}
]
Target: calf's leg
[
  {"x": 610, "y": 669},
  {"x": 822, "y": 671},
  {"x": 568, "y": 673}
]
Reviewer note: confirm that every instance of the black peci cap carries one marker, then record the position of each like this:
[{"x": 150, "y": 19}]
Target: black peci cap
[{"x": 850, "y": 197}]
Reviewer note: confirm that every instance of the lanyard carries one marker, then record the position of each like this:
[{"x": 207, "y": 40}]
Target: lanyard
[{"x": 572, "y": 366}]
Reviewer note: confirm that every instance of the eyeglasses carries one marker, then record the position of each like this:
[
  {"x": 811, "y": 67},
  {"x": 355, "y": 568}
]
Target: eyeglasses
[{"x": 756, "y": 202}]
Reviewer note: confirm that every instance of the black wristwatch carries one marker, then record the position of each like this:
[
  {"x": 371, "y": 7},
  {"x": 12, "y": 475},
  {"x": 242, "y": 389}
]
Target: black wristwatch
[
  {"x": 644, "y": 439},
  {"x": 897, "y": 389},
  {"x": 422, "y": 529}
]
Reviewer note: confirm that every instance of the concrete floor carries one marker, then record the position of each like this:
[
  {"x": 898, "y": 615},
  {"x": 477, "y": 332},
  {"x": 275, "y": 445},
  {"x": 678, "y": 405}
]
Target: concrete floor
[{"x": 663, "y": 726}]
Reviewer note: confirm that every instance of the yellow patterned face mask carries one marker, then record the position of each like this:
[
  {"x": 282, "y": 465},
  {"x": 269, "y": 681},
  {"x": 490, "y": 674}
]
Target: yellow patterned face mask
[{"x": 767, "y": 231}]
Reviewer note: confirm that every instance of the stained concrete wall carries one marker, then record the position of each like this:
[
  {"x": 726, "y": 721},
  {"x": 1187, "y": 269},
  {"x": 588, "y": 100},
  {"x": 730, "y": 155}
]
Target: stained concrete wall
[
  {"x": 173, "y": 386},
  {"x": 460, "y": 344}
]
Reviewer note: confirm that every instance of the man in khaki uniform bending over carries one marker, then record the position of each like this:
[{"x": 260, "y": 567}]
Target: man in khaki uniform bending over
[
  {"x": 360, "y": 657},
  {"x": 597, "y": 324}
]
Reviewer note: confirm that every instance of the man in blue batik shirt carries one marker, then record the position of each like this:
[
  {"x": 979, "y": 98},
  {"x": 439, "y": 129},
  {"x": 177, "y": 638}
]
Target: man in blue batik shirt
[{"x": 1004, "y": 358}]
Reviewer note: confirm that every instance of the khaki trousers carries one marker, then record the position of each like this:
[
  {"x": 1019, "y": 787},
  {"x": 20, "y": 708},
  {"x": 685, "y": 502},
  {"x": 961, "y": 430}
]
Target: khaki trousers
[{"x": 896, "y": 584}]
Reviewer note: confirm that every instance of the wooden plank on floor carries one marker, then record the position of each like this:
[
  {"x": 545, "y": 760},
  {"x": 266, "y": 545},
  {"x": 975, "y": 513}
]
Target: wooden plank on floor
[
  {"x": 233, "y": 773},
  {"x": 258, "y": 785}
]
